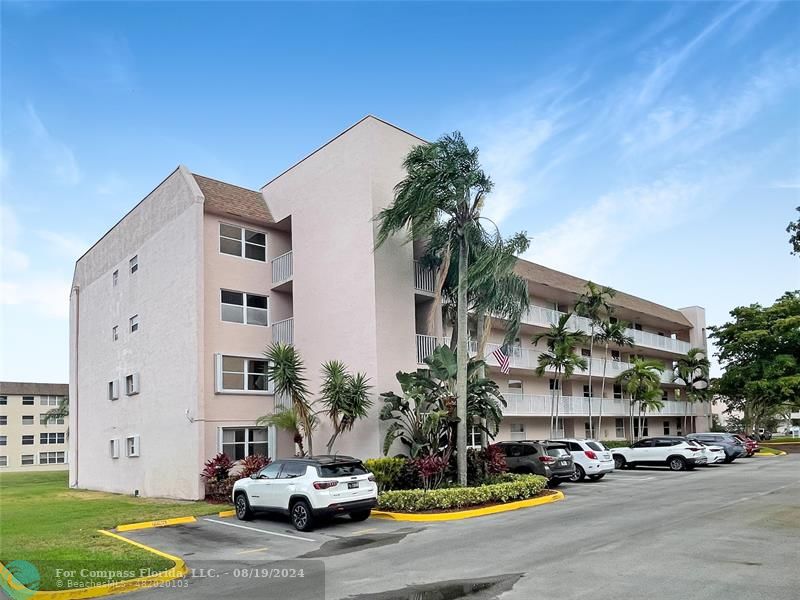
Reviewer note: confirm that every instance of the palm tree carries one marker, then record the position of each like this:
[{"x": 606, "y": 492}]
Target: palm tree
[
  {"x": 445, "y": 187},
  {"x": 286, "y": 370},
  {"x": 561, "y": 343},
  {"x": 59, "y": 412},
  {"x": 691, "y": 373},
  {"x": 345, "y": 396},
  {"x": 640, "y": 382},
  {"x": 286, "y": 419},
  {"x": 595, "y": 305},
  {"x": 611, "y": 332}
]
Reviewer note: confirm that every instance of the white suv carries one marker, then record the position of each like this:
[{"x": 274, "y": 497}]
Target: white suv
[
  {"x": 591, "y": 458},
  {"x": 677, "y": 453},
  {"x": 307, "y": 489}
]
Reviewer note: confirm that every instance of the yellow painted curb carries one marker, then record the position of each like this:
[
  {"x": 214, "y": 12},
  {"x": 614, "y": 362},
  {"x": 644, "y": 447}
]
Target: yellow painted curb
[
  {"x": 468, "y": 514},
  {"x": 159, "y": 523},
  {"x": 227, "y": 513},
  {"x": 107, "y": 589},
  {"x": 769, "y": 454}
]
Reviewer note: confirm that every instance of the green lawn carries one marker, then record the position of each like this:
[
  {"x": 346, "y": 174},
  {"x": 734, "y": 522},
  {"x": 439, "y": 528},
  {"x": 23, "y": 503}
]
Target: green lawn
[{"x": 46, "y": 523}]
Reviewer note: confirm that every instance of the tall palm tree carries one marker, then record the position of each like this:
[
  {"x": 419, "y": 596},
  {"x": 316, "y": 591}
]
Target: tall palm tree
[
  {"x": 611, "y": 333},
  {"x": 691, "y": 373},
  {"x": 446, "y": 187},
  {"x": 561, "y": 343},
  {"x": 345, "y": 396},
  {"x": 285, "y": 369},
  {"x": 59, "y": 412},
  {"x": 286, "y": 419},
  {"x": 595, "y": 305},
  {"x": 639, "y": 382}
]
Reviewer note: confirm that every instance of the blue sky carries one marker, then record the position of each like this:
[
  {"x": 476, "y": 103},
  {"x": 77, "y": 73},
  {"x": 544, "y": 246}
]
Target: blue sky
[{"x": 650, "y": 146}]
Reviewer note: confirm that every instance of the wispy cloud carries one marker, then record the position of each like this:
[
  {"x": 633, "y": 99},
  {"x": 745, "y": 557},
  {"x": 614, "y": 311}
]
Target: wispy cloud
[
  {"x": 57, "y": 155},
  {"x": 63, "y": 244},
  {"x": 786, "y": 185}
]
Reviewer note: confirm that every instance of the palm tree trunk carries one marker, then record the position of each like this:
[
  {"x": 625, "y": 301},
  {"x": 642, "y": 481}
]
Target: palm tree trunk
[
  {"x": 591, "y": 356},
  {"x": 435, "y": 324},
  {"x": 630, "y": 418},
  {"x": 552, "y": 409},
  {"x": 484, "y": 327},
  {"x": 461, "y": 356},
  {"x": 558, "y": 404},
  {"x": 602, "y": 390}
]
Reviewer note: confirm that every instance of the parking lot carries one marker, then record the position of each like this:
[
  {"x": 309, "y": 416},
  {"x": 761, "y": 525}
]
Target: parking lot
[{"x": 717, "y": 532}]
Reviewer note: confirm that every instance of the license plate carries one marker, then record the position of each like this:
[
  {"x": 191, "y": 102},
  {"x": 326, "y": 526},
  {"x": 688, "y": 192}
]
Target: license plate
[
  {"x": 352, "y": 484},
  {"x": 563, "y": 463}
]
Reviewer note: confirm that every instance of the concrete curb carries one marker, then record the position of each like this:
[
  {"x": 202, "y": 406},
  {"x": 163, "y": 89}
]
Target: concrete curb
[
  {"x": 770, "y": 455},
  {"x": 227, "y": 513},
  {"x": 469, "y": 514},
  {"x": 16, "y": 590},
  {"x": 159, "y": 523}
]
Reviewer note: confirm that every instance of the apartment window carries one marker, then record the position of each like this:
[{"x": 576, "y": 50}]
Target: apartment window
[
  {"x": 27, "y": 400},
  {"x": 114, "y": 448},
  {"x": 26, "y": 459},
  {"x": 619, "y": 428},
  {"x": 27, "y": 440},
  {"x": 114, "y": 278},
  {"x": 664, "y": 396},
  {"x": 3, "y": 400},
  {"x": 132, "y": 384},
  {"x": 27, "y": 419},
  {"x": 113, "y": 390},
  {"x": 3, "y": 440},
  {"x": 514, "y": 386},
  {"x": 585, "y": 352},
  {"x": 114, "y": 333},
  {"x": 3, "y": 461},
  {"x": 51, "y": 438},
  {"x": 239, "y": 307},
  {"x": 586, "y": 430},
  {"x": 618, "y": 391},
  {"x": 134, "y": 264},
  {"x": 645, "y": 432},
  {"x": 678, "y": 428},
  {"x": 474, "y": 437},
  {"x": 666, "y": 427},
  {"x": 51, "y": 458},
  {"x": 615, "y": 355},
  {"x": 637, "y": 326},
  {"x": 134, "y": 323},
  {"x": 586, "y": 391},
  {"x": 238, "y": 241},
  {"x": 245, "y": 441},
  {"x": 49, "y": 400},
  {"x": 3, "y": 420},
  {"x": 517, "y": 431},
  {"x": 554, "y": 384},
  {"x": 237, "y": 374},
  {"x": 45, "y": 419},
  {"x": 132, "y": 446}
]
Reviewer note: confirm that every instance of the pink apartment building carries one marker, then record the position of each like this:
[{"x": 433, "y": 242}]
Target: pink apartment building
[{"x": 172, "y": 309}]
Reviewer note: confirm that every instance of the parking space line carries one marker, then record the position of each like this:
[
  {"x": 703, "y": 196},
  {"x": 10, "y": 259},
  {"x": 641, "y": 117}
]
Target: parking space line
[
  {"x": 285, "y": 535},
  {"x": 253, "y": 550},
  {"x": 360, "y": 531}
]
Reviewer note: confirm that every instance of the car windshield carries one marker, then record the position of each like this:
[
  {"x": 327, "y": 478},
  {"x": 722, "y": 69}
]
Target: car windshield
[
  {"x": 596, "y": 446},
  {"x": 342, "y": 470},
  {"x": 557, "y": 451}
]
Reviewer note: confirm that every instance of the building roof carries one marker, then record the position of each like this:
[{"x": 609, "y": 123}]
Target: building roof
[
  {"x": 562, "y": 281},
  {"x": 19, "y": 388},
  {"x": 225, "y": 198}
]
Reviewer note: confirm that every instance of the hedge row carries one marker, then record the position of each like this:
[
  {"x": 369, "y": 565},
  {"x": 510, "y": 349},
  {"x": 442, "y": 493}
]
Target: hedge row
[{"x": 519, "y": 487}]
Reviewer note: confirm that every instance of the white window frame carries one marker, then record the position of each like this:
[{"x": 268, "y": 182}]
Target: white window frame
[
  {"x": 3, "y": 419},
  {"x": 244, "y": 307},
  {"x": 115, "y": 278},
  {"x": 114, "y": 447},
  {"x": 517, "y": 435},
  {"x": 3, "y": 461},
  {"x": 45, "y": 419},
  {"x": 133, "y": 264},
  {"x": 49, "y": 400},
  {"x": 218, "y": 358},
  {"x": 54, "y": 455},
  {"x": 29, "y": 436},
  {"x": 24, "y": 457},
  {"x": 28, "y": 401},
  {"x": 3, "y": 440},
  {"x": 132, "y": 384},
  {"x": 3, "y": 400},
  {"x": 133, "y": 322},
  {"x": 474, "y": 437},
  {"x": 514, "y": 390},
  {"x": 667, "y": 427},
  {"x": 28, "y": 420},
  {"x": 619, "y": 430},
  {"x": 614, "y": 393},
  {"x": 113, "y": 389},
  {"x": 271, "y": 432},
  {"x": 115, "y": 333},
  {"x": 242, "y": 229},
  {"x": 46, "y": 437},
  {"x": 132, "y": 446}
]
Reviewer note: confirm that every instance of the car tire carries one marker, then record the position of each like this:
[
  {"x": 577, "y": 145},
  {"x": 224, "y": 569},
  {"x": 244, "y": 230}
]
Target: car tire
[
  {"x": 361, "y": 515},
  {"x": 300, "y": 513},
  {"x": 677, "y": 463},
  {"x": 578, "y": 475},
  {"x": 242, "y": 505},
  {"x": 728, "y": 460},
  {"x": 596, "y": 477},
  {"x": 619, "y": 462}
]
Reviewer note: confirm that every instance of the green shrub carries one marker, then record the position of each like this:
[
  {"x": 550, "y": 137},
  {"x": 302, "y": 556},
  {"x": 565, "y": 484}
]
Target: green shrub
[
  {"x": 518, "y": 487},
  {"x": 616, "y": 443},
  {"x": 387, "y": 471}
]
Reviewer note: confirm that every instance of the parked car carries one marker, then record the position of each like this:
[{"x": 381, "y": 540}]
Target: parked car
[
  {"x": 591, "y": 458},
  {"x": 548, "y": 459},
  {"x": 308, "y": 489},
  {"x": 677, "y": 453},
  {"x": 734, "y": 448},
  {"x": 714, "y": 454},
  {"x": 750, "y": 445}
]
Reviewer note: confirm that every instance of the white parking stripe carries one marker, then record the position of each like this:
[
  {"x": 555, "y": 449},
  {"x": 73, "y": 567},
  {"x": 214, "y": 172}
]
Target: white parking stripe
[{"x": 286, "y": 535}]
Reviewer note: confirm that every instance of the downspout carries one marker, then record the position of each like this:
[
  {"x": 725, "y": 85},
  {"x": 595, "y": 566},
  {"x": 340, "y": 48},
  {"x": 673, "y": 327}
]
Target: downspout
[{"x": 77, "y": 291}]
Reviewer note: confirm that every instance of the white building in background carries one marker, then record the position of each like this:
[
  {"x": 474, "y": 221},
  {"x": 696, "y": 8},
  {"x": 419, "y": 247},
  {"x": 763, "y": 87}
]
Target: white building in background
[{"x": 172, "y": 309}]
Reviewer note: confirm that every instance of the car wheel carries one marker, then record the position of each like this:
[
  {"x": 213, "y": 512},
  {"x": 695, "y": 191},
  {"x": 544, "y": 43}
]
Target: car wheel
[
  {"x": 676, "y": 463},
  {"x": 619, "y": 462},
  {"x": 361, "y": 515},
  {"x": 578, "y": 475},
  {"x": 301, "y": 516},
  {"x": 596, "y": 477},
  {"x": 243, "y": 510}
]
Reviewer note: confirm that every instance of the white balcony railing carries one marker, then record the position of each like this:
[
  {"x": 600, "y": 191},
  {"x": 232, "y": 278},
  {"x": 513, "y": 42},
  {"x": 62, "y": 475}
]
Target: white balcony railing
[
  {"x": 423, "y": 278},
  {"x": 544, "y": 317},
  {"x": 282, "y": 267},
  {"x": 283, "y": 331},
  {"x": 426, "y": 344},
  {"x": 539, "y": 405}
]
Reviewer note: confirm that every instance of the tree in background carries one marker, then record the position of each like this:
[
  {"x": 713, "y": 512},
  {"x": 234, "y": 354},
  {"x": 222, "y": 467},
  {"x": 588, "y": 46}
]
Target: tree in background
[
  {"x": 759, "y": 350},
  {"x": 287, "y": 420},
  {"x": 345, "y": 397},
  {"x": 641, "y": 382},
  {"x": 611, "y": 333},
  {"x": 793, "y": 229},
  {"x": 691, "y": 373}
]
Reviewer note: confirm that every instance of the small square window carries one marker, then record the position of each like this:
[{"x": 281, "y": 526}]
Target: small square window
[
  {"x": 27, "y": 419},
  {"x": 132, "y": 445},
  {"x": 27, "y": 440},
  {"x": 617, "y": 391},
  {"x": 517, "y": 431},
  {"x": 134, "y": 264},
  {"x": 132, "y": 384},
  {"x": 3, "y": 440},
  {"x": 3, "y": 420},
  {"x": 114, "y": 448},
  {"x": 554, "y": 384},
  {"x": 113, "y": 390},
  {"x": 3, "y": 400},
  {"x": 27, "y": 400},
  {"x": 3, "y": 461},
  {"x": 134, "y": 323},
  {"x": 115, "y": 333},
  {"x": 26, "y": 459},
  {"x": 114, "y": 278}
]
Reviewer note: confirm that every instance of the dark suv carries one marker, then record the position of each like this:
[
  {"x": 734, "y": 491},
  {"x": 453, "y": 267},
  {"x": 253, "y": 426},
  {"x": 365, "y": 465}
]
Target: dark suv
[
  {"x": 734, "y": 448},
  {"x": 548, "y": 459}
]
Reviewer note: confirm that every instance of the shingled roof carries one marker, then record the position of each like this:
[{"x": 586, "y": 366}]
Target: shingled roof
[
  {"x": 21, "y": 388},
  {"x": 569, "y": 283},
  {"x": 225, "y": 198}
]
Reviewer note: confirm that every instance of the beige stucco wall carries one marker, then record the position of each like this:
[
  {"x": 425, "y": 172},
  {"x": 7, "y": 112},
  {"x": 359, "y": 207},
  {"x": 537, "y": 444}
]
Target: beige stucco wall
[{"x": 13, "y": 431}]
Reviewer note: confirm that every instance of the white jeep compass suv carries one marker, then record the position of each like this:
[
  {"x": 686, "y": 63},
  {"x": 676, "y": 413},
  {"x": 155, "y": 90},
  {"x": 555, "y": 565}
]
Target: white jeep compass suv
[
  {"x": 307, "y": 489},
  {"x": 677, "y": 453}
]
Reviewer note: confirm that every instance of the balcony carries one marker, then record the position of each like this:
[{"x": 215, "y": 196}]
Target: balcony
[
  {"x": 423, "y": 278},
  {"x": 544, "y": 317},
  {"x": 282, "y": 272},
  {"x": 578, "y": 406},
  {"x": 283, "y": 331},
  {"x": 426, "y": 344}
]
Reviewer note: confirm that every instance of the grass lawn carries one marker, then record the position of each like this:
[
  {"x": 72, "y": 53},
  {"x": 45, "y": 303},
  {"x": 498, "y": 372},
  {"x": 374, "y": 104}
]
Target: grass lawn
[{"x": 48, "y": 524}]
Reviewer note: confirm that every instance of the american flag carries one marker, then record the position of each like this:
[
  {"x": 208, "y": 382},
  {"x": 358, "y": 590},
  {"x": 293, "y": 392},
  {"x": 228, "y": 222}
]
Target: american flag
[{"x": 502, "y": 359}]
